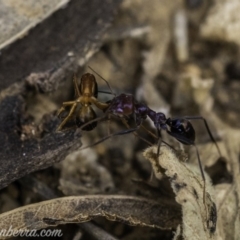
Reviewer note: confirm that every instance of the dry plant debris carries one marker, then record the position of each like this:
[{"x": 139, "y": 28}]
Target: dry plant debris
[
  {"x": 131, "y": 210},
  {"x": 199, "y": 219},
  {"x": 178, "y": 57}
]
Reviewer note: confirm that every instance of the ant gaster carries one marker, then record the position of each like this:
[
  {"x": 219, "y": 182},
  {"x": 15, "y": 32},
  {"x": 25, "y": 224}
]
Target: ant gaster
[{"x": 81, "y": 110}]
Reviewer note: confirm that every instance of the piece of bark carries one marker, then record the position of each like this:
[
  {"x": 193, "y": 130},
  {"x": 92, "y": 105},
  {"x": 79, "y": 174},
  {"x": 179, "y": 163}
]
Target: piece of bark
[
  {"x": 55, "y": 48},
  {"x": 17, "y": 18},
  {"x": 21, "y": 156}
]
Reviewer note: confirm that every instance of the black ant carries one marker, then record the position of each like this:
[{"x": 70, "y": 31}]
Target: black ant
[
  {"x": 125, "y": 105},
  {"x": 81, "y": 110}
]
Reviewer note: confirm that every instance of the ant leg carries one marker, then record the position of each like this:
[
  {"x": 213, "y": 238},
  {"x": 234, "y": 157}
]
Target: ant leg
[
  {"x": 159, "y": 141},
  {"x": 149, "y": 132},
  {"x": 64, "y": 106},
  {"x": 92, "y": 121},
  {"x": 111, "y": 135},
  {"x": 135, "y": 134},
  {"x": 187, "y": 141},
  {"x": 202, "y": 173},
  {"x": 74, "y": 105},
  {"x": 152, "y": 134},
  {"x": 100, "y": 91},
  {"x": 208, "y": 130}
]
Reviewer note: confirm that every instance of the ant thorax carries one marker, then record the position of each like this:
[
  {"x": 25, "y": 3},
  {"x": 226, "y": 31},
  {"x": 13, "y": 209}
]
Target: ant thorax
[{"x": 122, "y": 105}]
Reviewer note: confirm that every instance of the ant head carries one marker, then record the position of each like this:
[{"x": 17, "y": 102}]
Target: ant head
[{"x": 182, "y": 130}]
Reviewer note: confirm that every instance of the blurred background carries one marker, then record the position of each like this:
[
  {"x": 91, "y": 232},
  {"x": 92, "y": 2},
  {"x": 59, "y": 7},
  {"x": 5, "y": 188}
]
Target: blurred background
[{"x": 178, "y": 57}]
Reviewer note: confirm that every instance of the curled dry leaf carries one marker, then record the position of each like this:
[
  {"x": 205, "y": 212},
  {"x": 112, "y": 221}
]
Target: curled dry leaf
[
  {"x": 199, "y": 219},
  {"x": 131, "y": 210}
]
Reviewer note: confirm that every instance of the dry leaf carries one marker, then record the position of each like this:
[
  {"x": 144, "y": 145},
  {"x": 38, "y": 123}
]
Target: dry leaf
[
  {"x": 199, "y": 219},
  {"x": 131, "y": 210}
]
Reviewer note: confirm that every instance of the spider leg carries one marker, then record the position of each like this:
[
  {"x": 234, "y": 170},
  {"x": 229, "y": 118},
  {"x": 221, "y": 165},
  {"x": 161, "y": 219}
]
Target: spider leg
[
  {"x": 77, "y": 92},
  {"x": 64, "y": 106},
  {"x": 74, "y": 105},
  {"x": 135, "y": 134},
  {"x": 100, "y": 105}
]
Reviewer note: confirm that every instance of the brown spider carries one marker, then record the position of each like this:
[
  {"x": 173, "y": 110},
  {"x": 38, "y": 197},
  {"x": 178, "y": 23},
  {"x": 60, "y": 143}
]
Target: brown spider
[{"x": 81, "y": 110}]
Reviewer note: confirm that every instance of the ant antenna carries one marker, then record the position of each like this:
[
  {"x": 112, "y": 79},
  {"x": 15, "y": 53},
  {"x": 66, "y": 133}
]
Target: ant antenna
[
  {"x": 103, "y": 80},
  {"x": 91, "y": 121}
]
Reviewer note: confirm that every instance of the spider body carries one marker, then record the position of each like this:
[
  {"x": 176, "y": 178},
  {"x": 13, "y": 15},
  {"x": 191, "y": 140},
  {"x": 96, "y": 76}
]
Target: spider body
[{"x": 80, "y": 109}]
